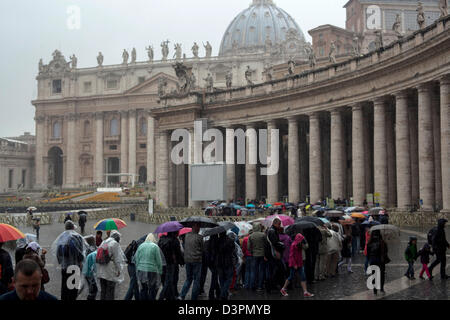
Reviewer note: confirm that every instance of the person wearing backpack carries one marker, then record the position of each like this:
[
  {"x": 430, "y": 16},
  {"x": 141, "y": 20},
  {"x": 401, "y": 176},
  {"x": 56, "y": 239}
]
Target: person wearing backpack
[
  {"x": 410, "y": 257},
  {"x": 69, "y": 249},
  {"x": 133, "y": 289},
  {"x": 440, "y": 246},
  {"x": 109, "y": 264}
]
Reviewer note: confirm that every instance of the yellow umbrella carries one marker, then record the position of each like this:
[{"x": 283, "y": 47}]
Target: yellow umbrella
[{"x": 358, "y": 215}]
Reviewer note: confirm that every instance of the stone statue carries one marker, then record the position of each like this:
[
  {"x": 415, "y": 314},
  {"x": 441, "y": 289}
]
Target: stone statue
[
  {"x": 133, "y": 55},
  {"x": 150, "y": 53},
  {"x": 125, "y": 56},
  {"x": 165, "y": 50},
  {"x": 332, "y": 54},
  {"x": 268, "y": 44},
  {"x": 356, "y": 46},
  {"x": 209, "y": 83},
  {"x": 312, "y": 57},
  {"x": 184, "y": 75},
  {"x": 229, "y": 79},
  {"x": 195, "y": 50},
  {"x": 208, "y": 49},
  {"x": 420, "y": 16},
  {"x": 74, "y": 61},
  {"x": 291, "y": 66},
  {"x": 193, "y": 81},
  {"x": 41, "y": 66},
  {"x": 268, "y": 73},
  {"x": 379, "y": 40},
  {"x": 443, "y": 7},
  {"x": 100, "y": 59},
  {"x": 162, "y": 86},
  {"x": 56, "y": 54},
  {"x": 248, "y": 76},
  {"x": 50, "y": 172},
  {"x": 235, "y": 46},
  {"x": 178, "y": 51},
  {"x": 397, "y": 24},
  {"x": 281, "y": 49}
]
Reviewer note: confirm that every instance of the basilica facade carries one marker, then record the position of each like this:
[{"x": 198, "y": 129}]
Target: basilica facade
[{"x": 375, "y": 123}]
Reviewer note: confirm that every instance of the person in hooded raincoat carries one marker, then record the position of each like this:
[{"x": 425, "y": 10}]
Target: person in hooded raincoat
[
  {"x": 296, "y": 264},
  {"x": 377, "y": 251},
  {"x": 149, "y": 269},
  {"x": 226, "y": 263},
  {"x": 440, "y": 246},
  {"x": 70, "y": 250},
  {"x": 334, "y": 249},
  {"x": 171, "y": 248},
  {"x": 90, "y": 274},
  {"x": 111, "y": 274}
]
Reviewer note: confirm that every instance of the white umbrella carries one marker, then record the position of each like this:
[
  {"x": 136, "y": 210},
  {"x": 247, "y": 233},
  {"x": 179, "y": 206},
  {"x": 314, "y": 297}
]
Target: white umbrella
[
  {"x": 244, "y": 228},
  {"x": 388, "y": 231}
]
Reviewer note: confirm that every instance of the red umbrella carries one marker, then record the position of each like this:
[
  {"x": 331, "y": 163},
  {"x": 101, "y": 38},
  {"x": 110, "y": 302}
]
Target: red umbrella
[
  {"x": 9, "y": 233},
  {"x": 285, "y": 220},
  {"x": 180, "y": 233}
]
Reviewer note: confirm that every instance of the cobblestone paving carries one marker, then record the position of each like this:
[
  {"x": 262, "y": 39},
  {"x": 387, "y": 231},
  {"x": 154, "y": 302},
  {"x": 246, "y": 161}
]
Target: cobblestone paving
[{"x": 344, "y": 286}]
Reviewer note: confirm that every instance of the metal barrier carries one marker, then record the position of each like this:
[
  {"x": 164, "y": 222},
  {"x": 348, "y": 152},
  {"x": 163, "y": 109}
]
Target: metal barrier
[{"x": 25, "y": 220}]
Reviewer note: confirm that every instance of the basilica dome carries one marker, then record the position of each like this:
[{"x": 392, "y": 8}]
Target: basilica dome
[{"x": 250, "y": 29}]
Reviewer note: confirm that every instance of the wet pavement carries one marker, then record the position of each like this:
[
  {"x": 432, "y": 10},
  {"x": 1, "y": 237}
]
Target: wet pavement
[{"x": 344, "y": 286}]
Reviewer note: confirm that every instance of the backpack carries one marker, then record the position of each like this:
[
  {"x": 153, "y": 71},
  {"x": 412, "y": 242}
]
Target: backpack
[
  {"x": 431, "y": 235},
  {"x": 103, "y": 256},
  {"x": 130, "y": 251}
]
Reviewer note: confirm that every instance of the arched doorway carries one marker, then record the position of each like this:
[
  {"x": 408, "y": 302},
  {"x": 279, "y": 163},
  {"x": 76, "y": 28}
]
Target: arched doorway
[
  {"x": 55, "y": 166},
  {"x": 142, "y": 174}
]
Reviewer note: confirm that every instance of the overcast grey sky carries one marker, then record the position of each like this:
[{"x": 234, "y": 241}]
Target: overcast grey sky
[{"x": 33, "y": 29}]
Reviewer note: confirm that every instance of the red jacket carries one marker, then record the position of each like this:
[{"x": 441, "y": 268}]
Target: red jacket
[
  {"x": 244, "y": 247},
  {"x": 295, "y": 255}
]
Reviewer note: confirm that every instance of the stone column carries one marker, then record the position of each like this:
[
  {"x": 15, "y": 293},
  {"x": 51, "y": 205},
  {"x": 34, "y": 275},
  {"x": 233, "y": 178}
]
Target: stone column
[
  {"x": 123, "y": 145},
  {"x": 426, "y": 148},
  {"x": 40, "y": 145},
  {"x": 315, "y": 159},
  {"x": 274, "y": 153},
  {"x": 293, "y": 162},
  {"x": 98, "y": 164},
  {"x": 163, "y": 172},
  {"x": 151, "y": 173},
  {"x": 132, "y": 142},
  {"x": 359, "y": 178},
  {"x": 445, "y": 141},
  {"x": 437, "y": 147},
  {"x": 250, "y": 166},
  {"x": 172, "y": 177},
  {"x": 195, "y": 155},
  {"x": 380, "y": 150},
  {"x": 71, "y": 150},
  {"x": 391, "y": 154},
  {"x": 413, "y": 140},
  {"x": 337, "y": 156},
  {"x": 230, "y": 163}
]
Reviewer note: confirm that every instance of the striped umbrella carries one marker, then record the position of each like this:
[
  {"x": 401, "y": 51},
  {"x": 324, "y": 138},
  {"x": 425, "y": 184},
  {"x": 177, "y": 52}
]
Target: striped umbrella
[
  {"x": 9, "y": 233},
  {"x": 110, "y": 224}
]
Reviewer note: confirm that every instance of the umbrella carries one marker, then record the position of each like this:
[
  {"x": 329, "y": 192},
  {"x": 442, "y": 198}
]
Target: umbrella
[
  {"x": 316, "y": 207},
  {"x": 267, "y": 205},
  {"x": 334, "y": 214},
  {"x": 259, "y": 220},
  {"x": 32, "y": 209},
  {"x": 388, "y": 231},
  {"x": 82, "y": 212},
  {"x": 375, "y": 211},
  {"x": 251, "y": 205},
  {"x": 299, "y": 227},
  {"x": 110, "y": 224},
  {"x": 315, "y": 220},
  {"x": 180, "y": 233},
  {"x": 325, "y": 220},
  {"x": 244, "y": 228},
  {"x": 9, "y": 233},
  {"x": 285, "y": 220},
  {"x": 21, "y": 243},
  {"x": 347, "y": 222},
  {"x": 224, "y": 226},
  {"x": 203, "y": 221},
  {"x": 358, "y": 215},
  {"x": 308, "y": 206},
  {"x": 371, "y": 223},
  {"x": 172, "y": 226}
]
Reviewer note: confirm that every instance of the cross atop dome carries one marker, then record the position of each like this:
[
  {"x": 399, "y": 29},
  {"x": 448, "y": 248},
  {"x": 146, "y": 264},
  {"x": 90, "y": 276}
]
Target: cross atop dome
[{"x": 259, "y": 2}]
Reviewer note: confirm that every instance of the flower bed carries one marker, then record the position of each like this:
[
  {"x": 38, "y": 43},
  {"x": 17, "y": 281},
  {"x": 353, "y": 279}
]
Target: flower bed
[
  {"x": 103, "y": 197},
  {"x": 64, "y": 198}
]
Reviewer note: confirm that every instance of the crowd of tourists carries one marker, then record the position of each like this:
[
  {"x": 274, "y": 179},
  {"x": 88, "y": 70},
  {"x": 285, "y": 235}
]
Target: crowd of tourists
[{"x": 265, "y": 260}]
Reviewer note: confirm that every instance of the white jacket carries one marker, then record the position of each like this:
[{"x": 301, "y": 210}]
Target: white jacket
[
  {"x": 118, "y": 260},
  {"x": 335, "y": 242}
]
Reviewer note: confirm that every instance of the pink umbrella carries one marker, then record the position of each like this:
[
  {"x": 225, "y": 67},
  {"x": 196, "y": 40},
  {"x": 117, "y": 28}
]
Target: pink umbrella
[
  {"x": 285, "y": 220},
  {"x": 180, "y": 233}
]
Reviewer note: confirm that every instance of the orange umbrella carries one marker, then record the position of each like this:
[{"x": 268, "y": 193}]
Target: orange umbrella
[
  {"x": 358, "y": 215},
  {"x": 10, "y": 233}
]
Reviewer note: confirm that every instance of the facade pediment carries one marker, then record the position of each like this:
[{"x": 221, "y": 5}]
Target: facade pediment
[{"x": 151, "y": 85}]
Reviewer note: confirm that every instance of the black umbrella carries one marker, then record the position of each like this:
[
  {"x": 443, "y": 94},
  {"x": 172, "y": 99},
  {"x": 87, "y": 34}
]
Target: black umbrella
[
  {"x": 299, "y": 227},
  {"x": 203, "y": 221},
  {"x": 375, "y": 211},
  {"x": 314, "y": 220},
  {"x": 82, "y": 212},
  {"x": 213, "y": 231},
  {"x": 334, "y": 214}
]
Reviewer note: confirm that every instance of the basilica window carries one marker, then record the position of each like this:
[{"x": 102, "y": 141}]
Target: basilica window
[
  {"x": 56, "y": 130},
  {"x": 88, "y": 86},
  {"x": 56, "y": 86},
  {"x": 142, "y": 126},
  {"x": 10, "y": 178},
  {"x": 141, "y": 80},
  {"x": 87, "y": 129},
  {"x": 112, "y": 84},
  {"x": 114, "y": 127}
]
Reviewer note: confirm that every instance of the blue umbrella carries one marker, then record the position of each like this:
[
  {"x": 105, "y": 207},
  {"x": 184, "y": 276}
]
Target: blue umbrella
[{"x": 250, "y": 205}]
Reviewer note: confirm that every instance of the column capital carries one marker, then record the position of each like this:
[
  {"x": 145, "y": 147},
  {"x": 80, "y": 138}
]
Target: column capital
[
  {"x": 444, "y": 80},
  {"x": 39, "y": 119},
  {"x": 293, "y": 119},
  {"x": 336, "y": 111},
  {"x": 99, "y": 115},
  {"x": 357, "y": 106},
  {"x": 424, "y": 87},
  {"x": 132, "y": 113},
  {"x": 272, "y": 122},
  {"x": 72, "y": 116},
  {"x": 313, "y": 115},
  {"x": 379, "y": 101},
  {"x": 123, "y": 113},
  {"x": 401, "y": 95},
  {"x": 250, "y": 125}
]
